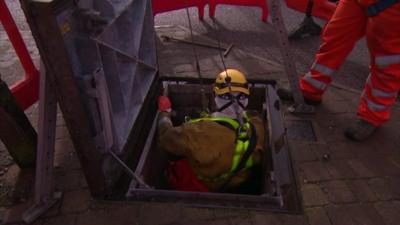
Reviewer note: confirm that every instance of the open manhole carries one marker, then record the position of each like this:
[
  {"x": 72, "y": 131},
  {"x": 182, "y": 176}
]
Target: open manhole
[{"x": 272, "y": 186}]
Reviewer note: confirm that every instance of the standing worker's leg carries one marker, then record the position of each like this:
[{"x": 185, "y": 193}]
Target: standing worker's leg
[
  {"x": 347, "y": 26},
  {"x": 381, "y": 88}
]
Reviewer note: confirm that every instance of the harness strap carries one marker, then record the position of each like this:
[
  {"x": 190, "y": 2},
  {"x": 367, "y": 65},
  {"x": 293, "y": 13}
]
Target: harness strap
[
  {"x": 249, "y": 150},
  {"x": 245, "y": 157},
  {"x": 241, "y": 161},
  {"x": 376, "y": 8}
]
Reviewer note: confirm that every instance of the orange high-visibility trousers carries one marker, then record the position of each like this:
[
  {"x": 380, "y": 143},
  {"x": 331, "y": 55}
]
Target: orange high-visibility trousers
[{"x": 349, "y": 23}]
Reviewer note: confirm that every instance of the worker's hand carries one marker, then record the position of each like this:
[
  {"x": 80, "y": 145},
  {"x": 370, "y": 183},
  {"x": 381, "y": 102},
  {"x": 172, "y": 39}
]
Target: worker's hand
[{"x": 164, "y": 104}]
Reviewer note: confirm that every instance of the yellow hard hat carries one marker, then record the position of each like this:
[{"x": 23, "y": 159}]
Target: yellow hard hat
[{"x": 237, "y": 82}]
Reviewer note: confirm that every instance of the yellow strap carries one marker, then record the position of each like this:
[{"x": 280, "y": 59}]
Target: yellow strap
[
  {"x": 241, "y": 147},
  {"x": 242, "y": 144}
]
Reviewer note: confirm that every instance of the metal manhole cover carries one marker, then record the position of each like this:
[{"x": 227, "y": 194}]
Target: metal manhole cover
[{"x": 300, "y": 130}]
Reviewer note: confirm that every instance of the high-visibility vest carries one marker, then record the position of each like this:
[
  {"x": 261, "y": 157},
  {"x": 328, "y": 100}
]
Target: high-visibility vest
[{"x": 243, "y": 142}]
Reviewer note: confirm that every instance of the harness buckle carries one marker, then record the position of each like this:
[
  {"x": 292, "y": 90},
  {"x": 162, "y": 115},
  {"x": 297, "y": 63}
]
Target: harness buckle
[{"x": 243, "y": 132}]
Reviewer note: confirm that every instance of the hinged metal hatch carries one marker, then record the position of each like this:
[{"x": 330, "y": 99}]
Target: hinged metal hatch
[{"x": 101, "y": 57}]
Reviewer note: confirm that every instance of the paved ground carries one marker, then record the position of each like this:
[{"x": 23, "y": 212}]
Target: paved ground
[
  {"x": 243, "y": 27},
  {"x": 11, "y": 71},
  {"x": 357, "y": 185}
]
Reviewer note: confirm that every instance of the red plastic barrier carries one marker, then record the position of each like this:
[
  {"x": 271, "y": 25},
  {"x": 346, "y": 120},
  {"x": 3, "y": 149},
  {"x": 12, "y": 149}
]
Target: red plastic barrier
[
  {"x": 258, "y": 3},
  {"x": 160, "y": 6},
  {"x": 26, "y": 91},
  {"x": 322, "y": 9}
]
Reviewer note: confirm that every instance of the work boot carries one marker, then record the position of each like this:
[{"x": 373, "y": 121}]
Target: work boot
[
  {"x": 360, "y": 130},
  {"x": 287, "y": 95}
]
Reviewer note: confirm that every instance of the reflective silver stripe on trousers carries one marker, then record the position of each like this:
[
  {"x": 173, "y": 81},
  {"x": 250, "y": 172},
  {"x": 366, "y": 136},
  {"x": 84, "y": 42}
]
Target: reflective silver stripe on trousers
[
  {"x": 322, "y": 69},
  {"x": 383, "y": 94},
  {"x": 383, "y": 61},
  {"x": 374, "y": 106},
  {"x": 379, "y": 93},
  {"x": 316, "y": 83},
  {"x": 369, "y": 80}
]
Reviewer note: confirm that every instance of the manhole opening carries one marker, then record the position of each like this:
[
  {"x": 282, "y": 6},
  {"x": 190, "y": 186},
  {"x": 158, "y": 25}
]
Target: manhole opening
[{"x": 261, "y": 191}]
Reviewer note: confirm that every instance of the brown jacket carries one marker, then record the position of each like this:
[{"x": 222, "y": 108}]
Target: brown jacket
[{"x": 209, "y": 147}]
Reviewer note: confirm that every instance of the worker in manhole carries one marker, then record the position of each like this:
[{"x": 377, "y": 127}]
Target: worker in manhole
[
  {"x": 220, "y": 151},
  {"x": 379, "y": 21}
]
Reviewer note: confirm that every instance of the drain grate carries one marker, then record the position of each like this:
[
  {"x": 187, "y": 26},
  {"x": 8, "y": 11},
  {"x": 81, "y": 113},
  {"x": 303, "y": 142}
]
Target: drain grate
[{"x": 300, "y": 130}]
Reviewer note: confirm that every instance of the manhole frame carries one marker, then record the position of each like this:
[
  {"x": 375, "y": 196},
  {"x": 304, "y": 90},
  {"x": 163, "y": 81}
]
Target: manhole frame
[{"x": 281, "y": 158}]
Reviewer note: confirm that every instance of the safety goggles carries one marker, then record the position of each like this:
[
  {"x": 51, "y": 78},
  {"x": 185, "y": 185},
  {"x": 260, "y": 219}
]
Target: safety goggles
[{"x": 230, "y": 96}]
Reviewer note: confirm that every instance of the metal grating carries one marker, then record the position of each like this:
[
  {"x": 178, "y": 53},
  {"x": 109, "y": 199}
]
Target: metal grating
[{"x": 300, "y": 130}]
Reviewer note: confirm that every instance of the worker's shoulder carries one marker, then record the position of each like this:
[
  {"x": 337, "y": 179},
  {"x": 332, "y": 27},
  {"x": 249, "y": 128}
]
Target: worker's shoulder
[
  {"x": 208, "y": 132},
  {"x": 205, "y": 126},
  {"x": 203, "y": 123}
]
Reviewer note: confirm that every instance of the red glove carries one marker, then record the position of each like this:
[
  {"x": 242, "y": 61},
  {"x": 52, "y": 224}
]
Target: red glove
[{"x": 164, "y": 104}]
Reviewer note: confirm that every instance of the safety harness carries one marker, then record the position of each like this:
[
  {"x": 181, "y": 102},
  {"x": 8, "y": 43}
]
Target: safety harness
[
  {"x": 246, "y": 140},
  {"x": 376, "y": 8}
]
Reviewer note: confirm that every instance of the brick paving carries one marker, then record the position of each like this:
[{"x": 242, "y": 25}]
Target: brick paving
[{"x": 357, "y": 184}]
